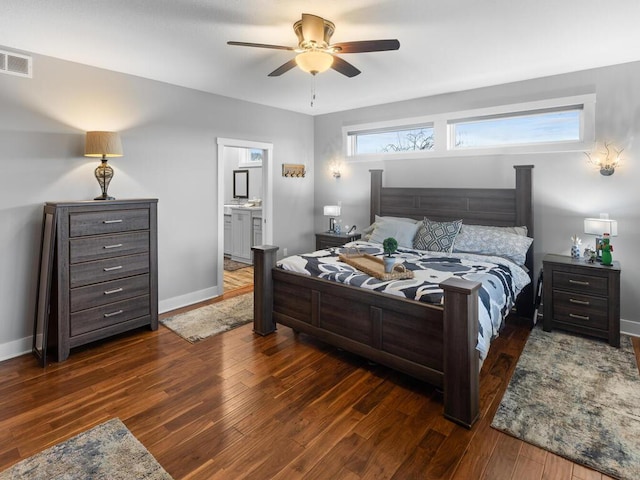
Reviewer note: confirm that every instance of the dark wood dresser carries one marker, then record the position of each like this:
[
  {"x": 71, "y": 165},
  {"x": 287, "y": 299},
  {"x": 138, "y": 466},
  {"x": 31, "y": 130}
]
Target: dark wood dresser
[
  {"x": 105, "y": 271},
  {"x": 582, "y": 297}
]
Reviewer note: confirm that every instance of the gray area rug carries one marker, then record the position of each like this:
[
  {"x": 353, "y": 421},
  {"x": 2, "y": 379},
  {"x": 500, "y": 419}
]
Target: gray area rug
[
  {"x": 106, "y": 452},
  {"x": 579, "y": 398},
  {"x": 212, "y": 319}
]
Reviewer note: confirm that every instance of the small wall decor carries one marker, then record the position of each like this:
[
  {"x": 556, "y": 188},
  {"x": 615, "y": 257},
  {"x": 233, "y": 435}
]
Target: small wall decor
[{"x": 293, "y": 170}]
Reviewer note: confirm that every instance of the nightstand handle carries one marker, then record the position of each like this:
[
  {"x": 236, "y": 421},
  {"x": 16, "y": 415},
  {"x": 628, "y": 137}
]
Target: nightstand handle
[
  {"x": 112, "y": 221},
  {"x": 115, "y": 245},
  {"x": 578, "y": 282},
  {"x": 113, "y": 314},
  {"x": 579, "y": 302},
  {"x": 115, "y": 290},
  {"x": 580, "y": 317},
  {"x": 111, "y": 269}
]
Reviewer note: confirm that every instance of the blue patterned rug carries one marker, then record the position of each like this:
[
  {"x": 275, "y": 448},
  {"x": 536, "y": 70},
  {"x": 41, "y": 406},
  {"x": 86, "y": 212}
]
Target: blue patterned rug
[
  {"x": 106, "y": 452},
  {"x": 578, "y": 398}
]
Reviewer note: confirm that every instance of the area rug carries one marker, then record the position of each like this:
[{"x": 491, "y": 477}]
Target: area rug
[
  {"x": 232, "y": 265},
  {"x": 209, "y": 320},
  {"x": 106, "y": 452},
  {"x": 579, "y": 398}
]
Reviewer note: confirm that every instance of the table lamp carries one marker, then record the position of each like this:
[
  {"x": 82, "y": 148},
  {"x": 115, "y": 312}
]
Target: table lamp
[
  {"x": 332, "y": 211},
  {"x": 103, "y": 145},
  {"x": 598, "y": 227}
]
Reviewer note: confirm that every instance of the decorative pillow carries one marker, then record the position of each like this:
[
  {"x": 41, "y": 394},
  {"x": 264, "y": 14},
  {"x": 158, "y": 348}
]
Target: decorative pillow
[
  {"x": 493, "y": 241},
  {"x": 436, "y": 236},
  {"x": 371, "y": 227},
  {"x": 402, "y": 231}
]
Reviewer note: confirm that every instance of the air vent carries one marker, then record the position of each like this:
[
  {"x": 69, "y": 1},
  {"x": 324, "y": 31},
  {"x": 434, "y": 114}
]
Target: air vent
[{"x": 15, "y": 64}]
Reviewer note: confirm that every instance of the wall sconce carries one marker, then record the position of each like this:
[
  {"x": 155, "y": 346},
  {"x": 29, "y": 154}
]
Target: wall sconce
[
  {"x": 606, "y": 159},
  {"x": 598, "y": 227},
  {"x": 335, "y": 167},
  {"x": 332, "y": 211},
  {"x": 105, "y": 145}
]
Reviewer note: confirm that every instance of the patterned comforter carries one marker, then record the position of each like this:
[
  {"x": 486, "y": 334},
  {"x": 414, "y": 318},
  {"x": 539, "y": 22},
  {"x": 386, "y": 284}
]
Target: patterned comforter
[{"x": 501, "y": 279}]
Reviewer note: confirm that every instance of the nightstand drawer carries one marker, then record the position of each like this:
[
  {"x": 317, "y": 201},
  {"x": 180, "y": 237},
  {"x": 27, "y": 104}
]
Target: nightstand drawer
[
  {"x": 108, "y": 221},
  {"x": 584, "y": 284},
  {"x": 580, "y": 309},
  {"x": 99, "y": 247}
]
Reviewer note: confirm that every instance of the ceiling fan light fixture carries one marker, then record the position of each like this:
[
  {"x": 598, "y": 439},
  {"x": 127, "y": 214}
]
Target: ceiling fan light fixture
[{"x": 314, "y": 61}]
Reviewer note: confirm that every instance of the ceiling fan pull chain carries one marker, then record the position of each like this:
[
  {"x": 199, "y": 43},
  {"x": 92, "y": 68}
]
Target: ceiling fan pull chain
[{"x": 313, "y": 90}]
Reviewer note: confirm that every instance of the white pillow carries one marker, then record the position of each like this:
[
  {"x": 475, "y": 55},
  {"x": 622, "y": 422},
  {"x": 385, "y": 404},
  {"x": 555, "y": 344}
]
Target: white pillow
[
  {"x": 498, "y": 241},
  {"x": 371, "y": 227},
  {"x": 401, "y": 230}
]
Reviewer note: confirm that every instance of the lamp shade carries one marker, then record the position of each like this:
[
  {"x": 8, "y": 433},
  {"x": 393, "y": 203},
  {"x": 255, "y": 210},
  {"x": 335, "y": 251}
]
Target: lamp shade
[
  {"x": 314, "y": 61},
  {"x": 102, "y": 144},
  {"x": 332, "y": 210},
  {"x": 598, "y": 226}
]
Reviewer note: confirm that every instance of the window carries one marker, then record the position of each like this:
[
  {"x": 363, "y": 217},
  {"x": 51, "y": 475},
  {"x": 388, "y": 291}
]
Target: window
[
  {"x": 391, "y": 140},
  {"x": 554, "y": 125},
  {"x": 520, "y": 128}
]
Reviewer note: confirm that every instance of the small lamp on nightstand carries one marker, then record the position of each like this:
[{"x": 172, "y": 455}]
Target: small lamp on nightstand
[
  {"x": 103, "y": 145},
  {"x": 332, "y": 211},
  {"x": 598, "y": 227}
]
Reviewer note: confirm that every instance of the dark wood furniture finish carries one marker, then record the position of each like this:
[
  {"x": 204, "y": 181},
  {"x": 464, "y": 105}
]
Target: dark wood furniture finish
[
  {"x": 104, "y": 272},
  {"x": 328, "y": 239},
  {"x": 430, "y": 342},
  {"x": 582, "y": 297}
]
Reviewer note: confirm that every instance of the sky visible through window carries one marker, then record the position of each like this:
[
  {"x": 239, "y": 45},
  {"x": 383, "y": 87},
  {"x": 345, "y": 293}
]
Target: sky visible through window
[
  {"x": 405, "y": 140},
  {"x": 518, "y": 130}
]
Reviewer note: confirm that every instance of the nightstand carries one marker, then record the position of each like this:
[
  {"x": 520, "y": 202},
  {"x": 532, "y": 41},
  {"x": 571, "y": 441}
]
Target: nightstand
[
  {"x": 582, "y": 297},
  {"x": 328, "y": 239}
]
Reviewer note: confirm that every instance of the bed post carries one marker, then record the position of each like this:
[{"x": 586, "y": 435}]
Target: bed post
[
  {"x": 264, "y": 260},
  {"x": 461, "y": 359},
  {"x": 376, "y": 190},
  {"x": 524, "y": 216}
]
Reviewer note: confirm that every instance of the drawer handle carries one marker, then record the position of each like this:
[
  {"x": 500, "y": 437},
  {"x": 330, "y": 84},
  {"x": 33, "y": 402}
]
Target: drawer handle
[
  {"x": 578, "y": 282},
  {"x": 579, "y": 317},
  {"x": 113, "y": 314},
  {"x": 117, "y": 245},
  {"x": 112, "y": 221},
  {"x": 111, "y": 269},
  {"x": 579, "y": 302},
  {"x": 115, "y": 290}
]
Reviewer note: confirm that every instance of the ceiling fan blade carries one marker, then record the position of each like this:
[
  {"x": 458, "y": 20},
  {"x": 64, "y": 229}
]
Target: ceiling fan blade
[
  {"x": 283, "y": 68},
  {"x": 345, "y": 68},
  {"x": 260, "y": 45},
  {"x": 366, "y": 46}
]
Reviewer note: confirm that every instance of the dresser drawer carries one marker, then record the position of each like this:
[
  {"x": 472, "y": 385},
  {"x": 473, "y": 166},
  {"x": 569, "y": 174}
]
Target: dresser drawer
[
  {"x": 584, "y": 284},
  {"x": 108, "y": 292},
  {"x": 108, "y": 221},
  {"x": 88, "y": 273},
  {"x": 580, "y": 309},
  {"x": 87, "y": 249},
  {"x": 106, "y": 315}
]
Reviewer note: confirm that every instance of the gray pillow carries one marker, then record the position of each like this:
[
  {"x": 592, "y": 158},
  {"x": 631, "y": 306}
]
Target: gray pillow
[
  {"x": 402, "y": 231},
  {"x": 437, "y": 236},
  {"x": 496, "y": 241}
]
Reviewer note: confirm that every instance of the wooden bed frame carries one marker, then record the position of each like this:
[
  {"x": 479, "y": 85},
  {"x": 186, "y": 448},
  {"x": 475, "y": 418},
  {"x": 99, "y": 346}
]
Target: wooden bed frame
[{"x": 430, "y": 342}]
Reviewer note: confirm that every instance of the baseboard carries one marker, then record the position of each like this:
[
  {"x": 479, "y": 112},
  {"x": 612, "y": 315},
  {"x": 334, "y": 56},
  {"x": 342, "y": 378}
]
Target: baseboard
[
  {"x": 15, "y": 348},
  {"x": 188, "y": 299},
  {"x": 629, "y": 327}
]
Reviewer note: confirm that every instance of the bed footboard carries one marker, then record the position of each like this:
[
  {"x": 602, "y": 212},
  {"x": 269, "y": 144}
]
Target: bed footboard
[{"x": 428, "y": 342}]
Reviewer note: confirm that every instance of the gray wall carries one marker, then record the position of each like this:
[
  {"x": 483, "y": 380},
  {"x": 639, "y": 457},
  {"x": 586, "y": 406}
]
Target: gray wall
[
  {"x": 566, "y": 188},
  {"x": 169, "y": 139}
]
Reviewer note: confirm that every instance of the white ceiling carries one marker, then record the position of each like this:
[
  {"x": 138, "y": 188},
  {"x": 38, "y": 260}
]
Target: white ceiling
[{"x": 446, "y": 45}]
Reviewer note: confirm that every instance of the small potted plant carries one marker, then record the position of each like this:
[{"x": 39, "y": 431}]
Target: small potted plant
[{"x": 389, "y": 246}]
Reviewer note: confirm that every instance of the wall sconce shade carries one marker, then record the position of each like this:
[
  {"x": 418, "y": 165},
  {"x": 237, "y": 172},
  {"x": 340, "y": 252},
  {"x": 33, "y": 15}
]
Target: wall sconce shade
[
  {"x": 314, "y": 62},
  {"x": 606, "y": 159},
  {"x": 332, "y": 211},
  {"x": 103, "y": 145}
]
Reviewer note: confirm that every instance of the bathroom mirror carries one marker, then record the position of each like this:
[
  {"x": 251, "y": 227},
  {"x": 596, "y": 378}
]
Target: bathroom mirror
[{"x": 241, "y": 184}]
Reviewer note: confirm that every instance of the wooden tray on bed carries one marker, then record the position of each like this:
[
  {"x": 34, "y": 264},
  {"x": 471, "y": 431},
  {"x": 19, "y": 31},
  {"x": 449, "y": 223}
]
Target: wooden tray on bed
[{"x": 374, "y": 266}]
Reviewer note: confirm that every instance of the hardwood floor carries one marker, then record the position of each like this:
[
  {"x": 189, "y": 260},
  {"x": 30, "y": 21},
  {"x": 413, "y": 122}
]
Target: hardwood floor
[
  {"x": 238, "y": 405},
  {"x": 238, "y": 278}
]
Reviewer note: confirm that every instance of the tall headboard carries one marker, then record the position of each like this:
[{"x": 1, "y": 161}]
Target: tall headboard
[{"x": 504, "y": 207}]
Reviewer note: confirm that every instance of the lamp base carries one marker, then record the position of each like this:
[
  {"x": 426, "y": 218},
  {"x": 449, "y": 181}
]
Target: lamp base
[{"x": 104, "y": 196}]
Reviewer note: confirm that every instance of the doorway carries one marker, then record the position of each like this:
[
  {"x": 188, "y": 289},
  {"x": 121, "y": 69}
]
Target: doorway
[{"x": 251, "y": 205}]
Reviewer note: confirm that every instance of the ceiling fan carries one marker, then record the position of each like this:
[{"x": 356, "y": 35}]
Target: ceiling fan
[{"x": 314, "y": 52}]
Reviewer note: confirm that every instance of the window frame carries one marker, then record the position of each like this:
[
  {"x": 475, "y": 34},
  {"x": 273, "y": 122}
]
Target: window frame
[{"x": 443, "y": 133}]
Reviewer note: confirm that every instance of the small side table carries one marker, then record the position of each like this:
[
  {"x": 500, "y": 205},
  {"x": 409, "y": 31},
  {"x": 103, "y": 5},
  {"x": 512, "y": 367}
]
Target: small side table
[
  {"x": 582, "y": 297},
  {"x": 328, "y": 239}
]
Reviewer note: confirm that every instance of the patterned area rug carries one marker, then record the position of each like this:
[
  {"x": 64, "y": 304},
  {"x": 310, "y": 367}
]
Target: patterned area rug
[
  {"x": 212, "y": 319},
  {"x": 578, "y": 398},
  {"x": 232, "y": 265},
  {"x": 106, "y": 452}
]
